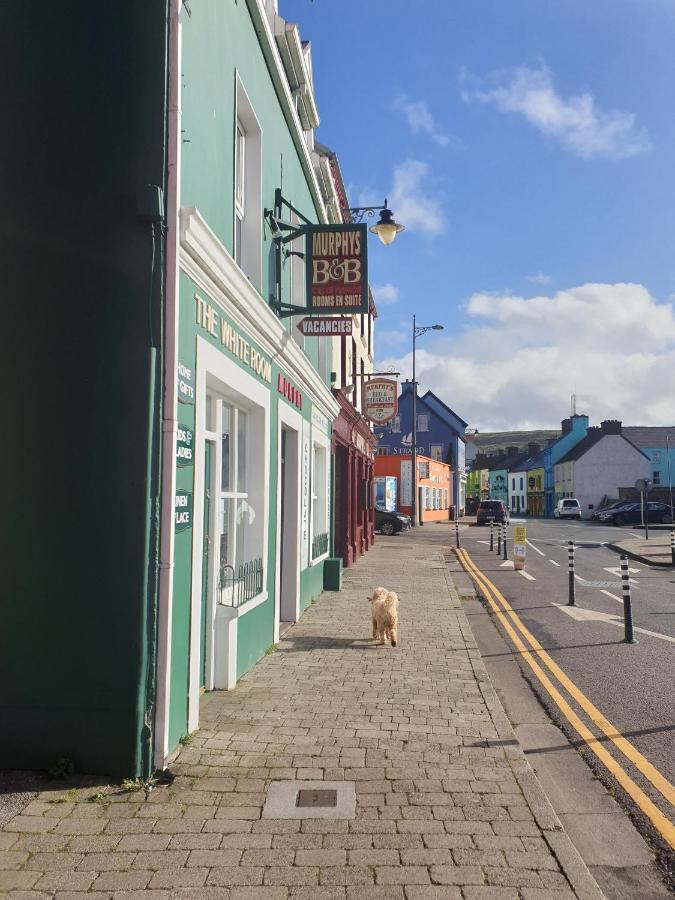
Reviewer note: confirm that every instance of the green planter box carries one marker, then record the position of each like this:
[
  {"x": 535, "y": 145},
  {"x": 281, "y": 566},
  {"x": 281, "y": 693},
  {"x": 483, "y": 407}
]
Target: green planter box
[{"x": 332, "y": 574}]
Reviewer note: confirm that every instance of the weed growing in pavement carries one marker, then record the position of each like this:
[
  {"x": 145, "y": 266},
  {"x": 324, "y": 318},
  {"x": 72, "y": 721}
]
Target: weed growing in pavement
[
  {"x": 68, "y": 797},
  {"x": 131, "y": 784},
  {"x": 185, "y": 740},
  {"x": 62, "y": 767},
  {"x": 270, "y": 650},
  {"x": 98, "y": 797}
]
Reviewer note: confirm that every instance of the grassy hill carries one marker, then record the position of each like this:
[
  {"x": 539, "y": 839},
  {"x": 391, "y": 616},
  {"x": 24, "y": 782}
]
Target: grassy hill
[{"x": 490, "y": 441}]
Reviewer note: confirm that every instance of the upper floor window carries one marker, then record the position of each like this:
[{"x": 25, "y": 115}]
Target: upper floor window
[
  {"x": 239, "y": 190},
  {"x": 656, "y": 477},
  {"x": 436, "y": 451},
  {"x": 396, "y": 425},
  {"x": 423, "y": 423},
  {"x": 247, "y": 193}
]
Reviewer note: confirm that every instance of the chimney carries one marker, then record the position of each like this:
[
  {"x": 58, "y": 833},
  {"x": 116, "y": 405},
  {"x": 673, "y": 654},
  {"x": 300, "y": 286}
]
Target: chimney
[
  {"x": 533, "y": 449},
  {"x": 511, "y": 451},
  {"x": 595, "y": 431},
  {"x": 610, "y": 426},
  {"x": 579, "y": 423},
  {"x": 566, "y": 426},
  {"x": 406, "y": 386}
]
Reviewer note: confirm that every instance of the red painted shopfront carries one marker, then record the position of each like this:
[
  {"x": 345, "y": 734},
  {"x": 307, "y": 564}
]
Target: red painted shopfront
[{"x": 353, "y": 453}]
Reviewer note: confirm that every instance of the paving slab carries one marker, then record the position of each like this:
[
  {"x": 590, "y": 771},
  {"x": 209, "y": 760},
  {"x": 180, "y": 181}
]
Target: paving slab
[{"x": 445, "y": 803}]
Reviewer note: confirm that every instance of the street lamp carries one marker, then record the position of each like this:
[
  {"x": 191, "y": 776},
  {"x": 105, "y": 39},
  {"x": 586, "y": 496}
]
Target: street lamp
[
  {"x": 386, "y": 228},
  {"x": 418, "y": 330}
]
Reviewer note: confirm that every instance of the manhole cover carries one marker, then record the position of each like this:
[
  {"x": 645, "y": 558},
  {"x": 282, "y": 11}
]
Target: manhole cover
[{"x": 316, "y": 798}]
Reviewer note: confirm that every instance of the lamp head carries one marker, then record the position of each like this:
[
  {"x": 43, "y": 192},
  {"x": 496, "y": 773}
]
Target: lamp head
[
  {"x": 437, "y": 327},
  {"x": 386, "y": 229}
]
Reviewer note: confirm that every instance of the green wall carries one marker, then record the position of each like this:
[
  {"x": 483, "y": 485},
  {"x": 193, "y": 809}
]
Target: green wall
[{"x": 83, "y": 124}]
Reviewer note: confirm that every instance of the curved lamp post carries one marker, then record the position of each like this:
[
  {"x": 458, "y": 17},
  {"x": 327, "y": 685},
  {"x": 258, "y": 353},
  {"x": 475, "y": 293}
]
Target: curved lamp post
[
  {"x": 418, "y": 330},
  {"x": 385, "y": 228}
]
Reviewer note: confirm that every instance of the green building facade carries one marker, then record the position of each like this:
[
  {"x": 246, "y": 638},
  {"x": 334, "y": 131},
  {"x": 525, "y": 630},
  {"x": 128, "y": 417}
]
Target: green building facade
[
  {"x": 246, "y": 502},
  {"x": 170, "y": 447}
]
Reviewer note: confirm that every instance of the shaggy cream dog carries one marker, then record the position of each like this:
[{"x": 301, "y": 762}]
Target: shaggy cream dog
[{"x": 385, "y": 615}]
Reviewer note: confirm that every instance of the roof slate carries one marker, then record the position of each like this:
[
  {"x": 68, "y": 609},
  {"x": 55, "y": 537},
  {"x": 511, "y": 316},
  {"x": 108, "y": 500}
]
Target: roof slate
[
  {"x": 589, "y": 441},
  {"x": 649, "y": 435}
]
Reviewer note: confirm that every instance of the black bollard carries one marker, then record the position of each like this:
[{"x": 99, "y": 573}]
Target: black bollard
[
  {"x": 672, "y": 547},
  {"x": 571, "y": 599},
  {"x": 457, "y": 534},
  {"x": 627, "y": 606},
  {"x": 492, "y": 539},
  {"x": 504, "y": 543},
  {"x": 499, "y": 540}
]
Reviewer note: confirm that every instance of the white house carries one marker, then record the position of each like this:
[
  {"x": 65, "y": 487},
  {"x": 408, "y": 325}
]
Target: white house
[{"x": 598, "y": 466}]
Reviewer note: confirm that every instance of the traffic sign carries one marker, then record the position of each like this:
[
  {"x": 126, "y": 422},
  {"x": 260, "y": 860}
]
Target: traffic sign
[{"x": 326, "y": 326}]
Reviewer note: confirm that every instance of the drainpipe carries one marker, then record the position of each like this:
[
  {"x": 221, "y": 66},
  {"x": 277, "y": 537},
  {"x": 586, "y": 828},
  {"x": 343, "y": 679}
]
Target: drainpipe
[{"x": 170, "y": 404}]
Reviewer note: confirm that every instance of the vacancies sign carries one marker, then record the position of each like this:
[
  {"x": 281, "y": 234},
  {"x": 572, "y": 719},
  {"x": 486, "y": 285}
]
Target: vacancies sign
[{"x": 336, "y": 259}]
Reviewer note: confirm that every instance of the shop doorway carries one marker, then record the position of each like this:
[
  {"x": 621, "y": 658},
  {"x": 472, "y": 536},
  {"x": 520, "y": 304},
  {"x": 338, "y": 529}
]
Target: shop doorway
[
  {"x": 289, "y": 558},
  {"x": 341, "y": 494}
]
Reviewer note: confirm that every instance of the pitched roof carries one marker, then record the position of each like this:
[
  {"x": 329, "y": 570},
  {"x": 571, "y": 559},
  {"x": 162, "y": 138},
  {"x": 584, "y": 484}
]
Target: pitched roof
[
  {"x": 593, "y": 437},
  {"x": 444, "y": 407},
  {"x": 510, "y": 463},
  {"x": 649, "y": 435}
]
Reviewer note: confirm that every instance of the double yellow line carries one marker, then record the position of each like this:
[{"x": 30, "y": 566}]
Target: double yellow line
[{"x": 535, "y": 653}]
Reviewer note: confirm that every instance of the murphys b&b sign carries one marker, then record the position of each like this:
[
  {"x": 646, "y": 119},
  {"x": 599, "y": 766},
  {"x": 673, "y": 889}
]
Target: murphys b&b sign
[
  {"x": 380, "y": 399},
  {"x": 336, "y": 260}
]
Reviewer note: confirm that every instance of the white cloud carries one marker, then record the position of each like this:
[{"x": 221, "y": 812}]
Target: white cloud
[
  {"x": 413, "y": 207},
  {"x": 420, "y": 120},
  {"x": 384, "y": 294},
  {"x": 539, "y": 278},
  {"x": 576, "y": 121},
  {"x": 519, "y": 359}
]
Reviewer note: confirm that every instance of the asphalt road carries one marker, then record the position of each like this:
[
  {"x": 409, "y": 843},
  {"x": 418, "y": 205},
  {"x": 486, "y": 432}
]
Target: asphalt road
[{"x": 632, "y": 685}]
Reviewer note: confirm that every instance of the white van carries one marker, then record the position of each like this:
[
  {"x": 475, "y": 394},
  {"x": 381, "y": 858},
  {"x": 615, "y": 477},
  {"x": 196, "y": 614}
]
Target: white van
[{"x": 568, "y": 508}]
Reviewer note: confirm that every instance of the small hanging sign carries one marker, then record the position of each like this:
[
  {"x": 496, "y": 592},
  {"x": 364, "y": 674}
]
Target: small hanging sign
[
  {"x": 380, "y": 399},
  {"x": 336, "y": 260}
]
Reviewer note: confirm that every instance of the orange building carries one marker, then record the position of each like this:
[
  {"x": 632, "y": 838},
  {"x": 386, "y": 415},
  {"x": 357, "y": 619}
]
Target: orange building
[{"x": 434, "y": 483}]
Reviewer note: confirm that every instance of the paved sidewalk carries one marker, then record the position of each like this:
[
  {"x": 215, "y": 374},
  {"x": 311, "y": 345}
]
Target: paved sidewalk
[
  {"x": 447, "y": 806},
  {"x": 653, "y": 552}
]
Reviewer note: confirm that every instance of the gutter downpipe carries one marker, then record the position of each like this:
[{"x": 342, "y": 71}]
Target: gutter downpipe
[
  {"x": 170, "y": 402},
  {"x": 147, "y": 625}
]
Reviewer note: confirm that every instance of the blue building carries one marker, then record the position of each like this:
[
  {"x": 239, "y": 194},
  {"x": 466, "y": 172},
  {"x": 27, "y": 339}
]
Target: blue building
[
  {"x": 440, "y": 435},
  {"x": 659, "y": 445},
  {"x": 574, "y": 430}
]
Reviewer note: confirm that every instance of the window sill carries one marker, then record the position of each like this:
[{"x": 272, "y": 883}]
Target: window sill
[
  {"x": 318, "y": 559},
  {"x": 235, "y": 612}
]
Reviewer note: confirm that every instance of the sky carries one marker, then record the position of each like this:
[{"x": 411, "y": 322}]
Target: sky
[{"x": 529, "y": 150}]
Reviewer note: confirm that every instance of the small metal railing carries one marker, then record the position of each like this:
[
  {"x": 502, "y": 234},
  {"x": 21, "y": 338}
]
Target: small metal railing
[
  {"x": 319, "y": 545},
  {"x": 236, "y": 588}
]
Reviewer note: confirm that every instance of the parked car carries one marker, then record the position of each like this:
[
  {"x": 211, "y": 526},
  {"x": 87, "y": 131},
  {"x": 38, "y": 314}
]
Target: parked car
[
  {"x": 491, "y": 511},
  {"x": 605, "y": 509},
  {"x": 568, "y": 508},
  {"x": 631, "y": 514},
  {"x": 390, "y": 521},
  {"x": 608, "y": 514}
]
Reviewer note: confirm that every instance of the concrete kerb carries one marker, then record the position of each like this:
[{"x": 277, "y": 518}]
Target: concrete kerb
[
  {"x": 569, "y": 858},
  {"x": 645, "y": 560}
]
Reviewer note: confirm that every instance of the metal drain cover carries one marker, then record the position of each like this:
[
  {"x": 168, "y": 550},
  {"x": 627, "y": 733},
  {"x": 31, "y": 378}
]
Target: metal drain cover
[{"x": 316, "y": 798}]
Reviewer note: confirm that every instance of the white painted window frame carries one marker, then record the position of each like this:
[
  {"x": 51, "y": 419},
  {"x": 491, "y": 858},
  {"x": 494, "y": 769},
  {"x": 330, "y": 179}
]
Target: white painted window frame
[
  {"x": 249, "y": 256},
  {"x": 235, "y": 382},
  {"x": 318, "y": 439}
]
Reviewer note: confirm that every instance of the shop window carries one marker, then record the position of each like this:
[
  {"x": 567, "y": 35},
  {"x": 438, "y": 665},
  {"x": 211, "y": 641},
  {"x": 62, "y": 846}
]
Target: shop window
[
  {"x": 239, "y": 492},
  {"x": 247, "y": 189},
  {"x": 423, "y": 423},
  {"x": 319, "y": 500}
]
